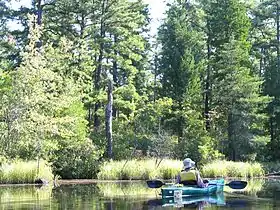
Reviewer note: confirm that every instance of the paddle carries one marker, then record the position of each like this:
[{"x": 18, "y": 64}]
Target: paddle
[{"x": 233, "y": 184}]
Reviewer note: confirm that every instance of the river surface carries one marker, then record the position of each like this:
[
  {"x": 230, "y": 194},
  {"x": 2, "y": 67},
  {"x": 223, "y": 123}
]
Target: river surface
[{"x": 259, "y": 194}]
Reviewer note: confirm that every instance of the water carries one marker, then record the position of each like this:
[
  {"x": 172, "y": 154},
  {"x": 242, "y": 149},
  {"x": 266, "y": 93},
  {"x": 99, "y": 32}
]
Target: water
[{"x": 259, "y": 194}]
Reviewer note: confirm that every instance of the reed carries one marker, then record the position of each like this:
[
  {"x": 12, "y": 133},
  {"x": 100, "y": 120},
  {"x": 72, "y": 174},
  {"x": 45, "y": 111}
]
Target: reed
[
  {"x": 168, "y": 169},
  {"x": 224, "y": 168},
  {"x": 20, "y": 172},
  {"x": 139, "y": 169}
]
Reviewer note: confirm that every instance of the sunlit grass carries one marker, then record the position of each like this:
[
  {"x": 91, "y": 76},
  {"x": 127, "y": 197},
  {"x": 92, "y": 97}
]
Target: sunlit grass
[
  {"x": 168, "y": 169},
  {"x": 24, "y": 172},
  {"x": 232, "y": 169},
  {"x": 139, "y": 169}
]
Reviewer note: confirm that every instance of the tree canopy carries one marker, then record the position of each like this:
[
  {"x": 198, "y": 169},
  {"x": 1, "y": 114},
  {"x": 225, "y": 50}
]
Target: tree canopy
[{"x": 82, "y": 82}]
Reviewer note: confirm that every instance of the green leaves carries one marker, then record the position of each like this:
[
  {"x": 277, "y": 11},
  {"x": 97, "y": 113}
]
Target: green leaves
[{"x": 205, "y": 93}]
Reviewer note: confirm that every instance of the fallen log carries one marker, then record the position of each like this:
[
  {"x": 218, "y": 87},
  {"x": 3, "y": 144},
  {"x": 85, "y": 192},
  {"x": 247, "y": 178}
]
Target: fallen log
[{"x": 273, "y": 174}]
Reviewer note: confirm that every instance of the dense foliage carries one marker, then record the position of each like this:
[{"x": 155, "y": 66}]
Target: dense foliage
[{"x": 81, "y": 82}]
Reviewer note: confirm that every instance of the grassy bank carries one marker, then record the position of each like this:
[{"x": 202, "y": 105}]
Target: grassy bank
[
  {"x": 223, "y": 168},
  {"x": 139, "y": 169},
  {"x": 24, "y": 172},
  {"x": 168, "y": 169}
]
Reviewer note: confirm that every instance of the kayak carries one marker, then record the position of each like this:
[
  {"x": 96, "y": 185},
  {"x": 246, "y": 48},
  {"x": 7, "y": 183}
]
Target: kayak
[
  {"x": 217, "y": 199},
  {"x": 214, "y": 186}
]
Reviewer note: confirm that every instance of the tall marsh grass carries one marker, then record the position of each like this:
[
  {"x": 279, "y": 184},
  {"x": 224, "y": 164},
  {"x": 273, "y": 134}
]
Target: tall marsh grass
[
  {"x": 139, "y": 169},
  {"x": 168, "y": 169},
  {"x": 224, "y": 168},
  {"x": 20, "y": 172}
]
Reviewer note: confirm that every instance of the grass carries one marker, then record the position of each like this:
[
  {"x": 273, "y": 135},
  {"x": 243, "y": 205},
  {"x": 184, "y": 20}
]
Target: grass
[
  {"x": 232, "y": 169},
  {"x": 20, "y": 172},
  {"x": 168, "y": 169},
  {"x": 139, "y": 169}
]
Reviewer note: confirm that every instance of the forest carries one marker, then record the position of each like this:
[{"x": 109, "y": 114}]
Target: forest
[{"x": 84, "y": 81}]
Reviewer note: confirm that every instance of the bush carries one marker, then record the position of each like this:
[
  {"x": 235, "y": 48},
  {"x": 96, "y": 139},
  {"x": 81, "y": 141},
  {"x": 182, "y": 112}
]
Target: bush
[{"x": 76, "y": 161}]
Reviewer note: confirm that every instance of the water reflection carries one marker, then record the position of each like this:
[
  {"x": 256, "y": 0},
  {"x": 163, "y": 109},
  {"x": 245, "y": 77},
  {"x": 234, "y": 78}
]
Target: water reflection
[
  {"x": 195, "y": 201},
  {"x": 20, "y": 197},
  {"x": 252, "y": 188},
  {"x": 259, "y": 194},
  {"x": 127, "y": 189}
]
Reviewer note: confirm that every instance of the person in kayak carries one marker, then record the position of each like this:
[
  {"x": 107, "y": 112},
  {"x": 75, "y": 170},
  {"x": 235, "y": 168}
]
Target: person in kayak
[{"x": 190, "y": 175}]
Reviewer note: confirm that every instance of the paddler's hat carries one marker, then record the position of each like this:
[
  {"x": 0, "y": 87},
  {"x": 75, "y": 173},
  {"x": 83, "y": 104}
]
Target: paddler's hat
[{"x": 188, "y": 163}]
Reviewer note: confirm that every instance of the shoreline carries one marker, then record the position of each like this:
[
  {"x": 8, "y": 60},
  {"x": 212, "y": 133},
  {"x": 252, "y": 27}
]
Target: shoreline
[{"x": 95, "y": 181}]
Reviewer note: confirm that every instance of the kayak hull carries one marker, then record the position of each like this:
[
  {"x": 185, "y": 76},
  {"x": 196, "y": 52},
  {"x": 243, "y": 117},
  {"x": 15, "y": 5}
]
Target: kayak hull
[{"x": 214, "y": 186}]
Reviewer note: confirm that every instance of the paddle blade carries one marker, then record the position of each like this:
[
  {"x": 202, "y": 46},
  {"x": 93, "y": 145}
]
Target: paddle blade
[
  {"x": 237, "y": 184},
  {"x": 154, "y": 183}
]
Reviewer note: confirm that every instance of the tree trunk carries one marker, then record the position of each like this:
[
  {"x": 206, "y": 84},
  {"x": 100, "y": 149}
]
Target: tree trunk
[
  {"x": 155, "y": 77},
  {"x": 261, "y": 63},
  {"x": 278, "y": 36},
  {"x": 271, "y": 133},
  {"x": 207, "y": 86},
  {"x": 115, "y": 74},
  {"x": 97, "y": 76},
  {"x": 272, "y": 119},
  {"x": 39, "y": 12},
  {"x": 231, "y": 145},
  {"x": 97, "y": 86},
  {"x": 108, "y": 119}
]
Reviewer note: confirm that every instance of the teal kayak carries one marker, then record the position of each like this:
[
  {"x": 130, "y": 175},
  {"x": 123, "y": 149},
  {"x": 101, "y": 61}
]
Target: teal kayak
[{"x": 213, "y": 187}]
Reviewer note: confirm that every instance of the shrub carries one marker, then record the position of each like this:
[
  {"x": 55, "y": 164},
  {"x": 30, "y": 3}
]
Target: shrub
[{"x": 77, "y": 161}]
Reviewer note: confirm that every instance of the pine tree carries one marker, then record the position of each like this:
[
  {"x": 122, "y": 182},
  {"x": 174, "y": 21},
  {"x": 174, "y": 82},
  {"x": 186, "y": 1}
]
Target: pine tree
[
  {"x": 236, "y": 101},
  {"x": 266, "y": 36},
  {"x": 181, "y": 73}
]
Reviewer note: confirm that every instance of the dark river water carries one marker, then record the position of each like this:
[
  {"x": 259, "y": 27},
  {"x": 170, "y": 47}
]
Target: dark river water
[{"x": 259, "y": 194}]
